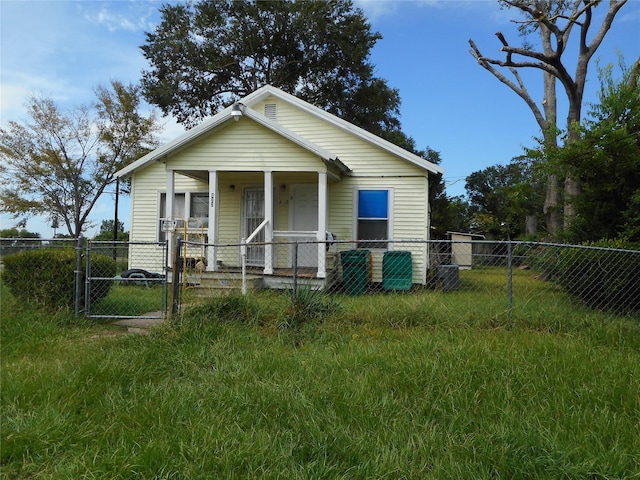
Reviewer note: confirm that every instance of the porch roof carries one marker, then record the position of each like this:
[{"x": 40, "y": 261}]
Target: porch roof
[{"x": 226, "y": 116}]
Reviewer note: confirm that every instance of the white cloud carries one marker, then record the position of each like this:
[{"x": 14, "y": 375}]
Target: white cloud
[
  {"x": 171, "y": 129},
  {"x": 375, "y": 9},
  {"x": 114, "y": 22},
  {"x": 12, "y": 98},
  {"x": 631, "y": 15},
  {"x": 127, "y": 16}
]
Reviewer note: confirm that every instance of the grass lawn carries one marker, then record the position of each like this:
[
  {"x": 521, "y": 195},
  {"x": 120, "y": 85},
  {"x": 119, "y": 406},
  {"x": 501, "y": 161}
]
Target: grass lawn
[
  {"x": 429, "y": 385},
  {"x": 131, "y": 300}
]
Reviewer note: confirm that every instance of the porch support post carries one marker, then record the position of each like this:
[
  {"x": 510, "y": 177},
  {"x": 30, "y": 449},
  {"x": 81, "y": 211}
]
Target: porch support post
[
  {"x": 168, "y": 210},
  {"x": 212, "y": 230},
  {"x": 268, "y": 229},
  {"x": 322, "y": 224}
]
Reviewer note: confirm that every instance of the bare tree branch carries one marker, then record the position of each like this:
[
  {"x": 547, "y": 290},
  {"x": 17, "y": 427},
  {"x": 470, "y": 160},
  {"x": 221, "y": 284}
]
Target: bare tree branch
[
  {"x": 519, "y": 89},
  {"x": 546, "y": 17}
]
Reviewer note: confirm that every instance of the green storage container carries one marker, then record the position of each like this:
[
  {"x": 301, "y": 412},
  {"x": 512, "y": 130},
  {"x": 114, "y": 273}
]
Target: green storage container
[
  {"x": 355, "y": 270},
  {"x": 397, "y": 271}
]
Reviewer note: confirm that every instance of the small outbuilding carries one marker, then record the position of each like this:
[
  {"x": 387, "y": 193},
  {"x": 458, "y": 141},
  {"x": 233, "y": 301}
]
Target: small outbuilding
[{"x": 463, "y": 249}]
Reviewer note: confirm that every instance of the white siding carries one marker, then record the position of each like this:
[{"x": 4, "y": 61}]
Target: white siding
[
  {"x": 245, "y": 146},
  {"x": 145, "y": 210},
  {"x": 362, "y": 157}
]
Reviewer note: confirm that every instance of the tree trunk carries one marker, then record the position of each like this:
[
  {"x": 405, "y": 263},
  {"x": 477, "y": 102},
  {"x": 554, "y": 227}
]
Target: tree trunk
[
  {"x": 531, "y": 225},
  {"x": 552, "y": 208},
  {"x": 573, "y": 186}
]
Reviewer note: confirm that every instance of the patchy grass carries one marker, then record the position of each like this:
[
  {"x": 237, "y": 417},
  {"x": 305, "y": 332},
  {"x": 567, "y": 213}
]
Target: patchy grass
[
  {"x": 423, "y": 385},
  {"x": 132, "y": 299}
]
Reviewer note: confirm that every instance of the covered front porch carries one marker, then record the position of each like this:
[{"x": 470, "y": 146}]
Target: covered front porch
[{"x": 267, "y": 221}]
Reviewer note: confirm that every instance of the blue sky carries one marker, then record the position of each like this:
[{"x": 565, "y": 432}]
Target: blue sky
[{"x": 64, "y": 49}]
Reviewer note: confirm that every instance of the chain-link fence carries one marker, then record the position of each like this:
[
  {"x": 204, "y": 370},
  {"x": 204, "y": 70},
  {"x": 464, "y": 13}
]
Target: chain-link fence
[
  {"x": 507, "y": 273},
  {"x": 130, "y": 279},
  {"x": 110, "y": 279},
  {"x": 9, "y": 246}
]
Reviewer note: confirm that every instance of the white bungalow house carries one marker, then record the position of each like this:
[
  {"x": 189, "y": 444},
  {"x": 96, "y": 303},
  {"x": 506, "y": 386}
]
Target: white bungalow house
[{"x": 274, "y": 168}]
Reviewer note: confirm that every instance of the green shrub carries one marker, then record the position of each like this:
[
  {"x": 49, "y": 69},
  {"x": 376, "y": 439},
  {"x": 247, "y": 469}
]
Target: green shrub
[
  {"x": 543, "y": 258},
  {"x": 602, "y": 279},
  {"x": 46, "y": 277}
]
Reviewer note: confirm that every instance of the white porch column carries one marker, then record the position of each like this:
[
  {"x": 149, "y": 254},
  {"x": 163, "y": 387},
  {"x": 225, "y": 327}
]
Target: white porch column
[
  {"x": 212, "y": 230},
  {"x": 168, "y": 210},
  {"x": 322, "y": 224},
  {"x": 268, "y": 229}
]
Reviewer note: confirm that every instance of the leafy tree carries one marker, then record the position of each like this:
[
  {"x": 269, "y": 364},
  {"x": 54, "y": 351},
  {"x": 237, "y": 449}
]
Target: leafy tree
[
  {"x": 501, "y": 197},
  {"x": 606, "y": 159},
  {"x": 553, "y": 21},
  {"x": 15, "y": 239},
  {"x": 17, "y": 233},
  {"x": 450, "y": 214},
  {"x": 204, "y": 55},
  {"x": 59, "y": 163},
  {"x": 106, "y": 231}
]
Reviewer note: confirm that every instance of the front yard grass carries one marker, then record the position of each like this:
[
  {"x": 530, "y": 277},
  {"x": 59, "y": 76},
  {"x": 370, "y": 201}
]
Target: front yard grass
[{"x": 427, "y": 385}]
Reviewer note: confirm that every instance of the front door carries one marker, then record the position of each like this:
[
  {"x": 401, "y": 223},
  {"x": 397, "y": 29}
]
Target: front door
[
  {"x": 252, "y": 217},
  {"x": 304, "y": 217}
]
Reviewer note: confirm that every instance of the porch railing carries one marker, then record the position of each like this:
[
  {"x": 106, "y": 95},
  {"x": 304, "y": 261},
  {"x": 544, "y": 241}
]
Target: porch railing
[{"x": 243, "y": 254}]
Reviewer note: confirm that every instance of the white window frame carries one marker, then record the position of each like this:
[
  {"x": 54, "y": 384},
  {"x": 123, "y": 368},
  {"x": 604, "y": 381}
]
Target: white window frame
[
  {"x": 181, "y": 217},
  {"x": 390, "y": 215},
  {"x": 205, "y": 223}
]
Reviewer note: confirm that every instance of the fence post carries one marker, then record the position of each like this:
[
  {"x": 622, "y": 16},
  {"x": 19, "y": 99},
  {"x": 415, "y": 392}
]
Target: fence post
[
  {"x": 243, "y": 258},
  {"x": 87, "y": 279},
  {"x": 175, "y": 275},
  {"x": 294, "y": 292},
  {"x": 78, "y": 276},
  {"x": 510, "y": 279}
]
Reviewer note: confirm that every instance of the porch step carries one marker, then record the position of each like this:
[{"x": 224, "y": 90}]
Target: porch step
[
  {"x": 207, "y": 282},
  {"x": 286, "y": 283}
]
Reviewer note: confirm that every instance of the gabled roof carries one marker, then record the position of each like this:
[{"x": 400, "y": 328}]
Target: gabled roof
[
  {"x": 269, "y": 90},
  {"x": 218, "y": 120},
  {"x": 245, "y": 104}
]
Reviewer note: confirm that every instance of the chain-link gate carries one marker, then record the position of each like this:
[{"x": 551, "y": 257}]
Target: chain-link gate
[{"x": 138, "y": 289}]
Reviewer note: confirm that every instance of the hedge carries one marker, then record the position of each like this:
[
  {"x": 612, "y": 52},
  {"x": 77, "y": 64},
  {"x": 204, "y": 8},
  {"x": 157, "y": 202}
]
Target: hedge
[
  {"x": 46, "y": 277},
  {"x": 603, "y": 279}
]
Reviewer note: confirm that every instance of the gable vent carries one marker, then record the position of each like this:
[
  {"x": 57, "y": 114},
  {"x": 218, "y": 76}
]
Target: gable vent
[{"x": 270, "y": 111}]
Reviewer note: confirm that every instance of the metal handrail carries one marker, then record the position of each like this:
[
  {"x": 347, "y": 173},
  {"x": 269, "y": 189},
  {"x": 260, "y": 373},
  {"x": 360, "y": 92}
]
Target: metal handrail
[
  {"x": 243, "y": 253},
  {"x": 256, "y": 231}
]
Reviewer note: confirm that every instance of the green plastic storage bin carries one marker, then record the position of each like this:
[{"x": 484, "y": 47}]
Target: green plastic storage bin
[
  {"x": 397, "y": 271},
  {"x": 355, "y": 270}
]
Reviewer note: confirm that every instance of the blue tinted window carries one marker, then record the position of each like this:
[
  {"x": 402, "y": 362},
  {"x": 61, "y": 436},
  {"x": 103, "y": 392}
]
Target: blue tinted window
[{"x": 373, "y": 204}]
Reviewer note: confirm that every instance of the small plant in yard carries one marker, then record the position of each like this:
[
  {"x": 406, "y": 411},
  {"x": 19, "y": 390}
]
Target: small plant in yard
[{"x": 309, "y": 305}]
